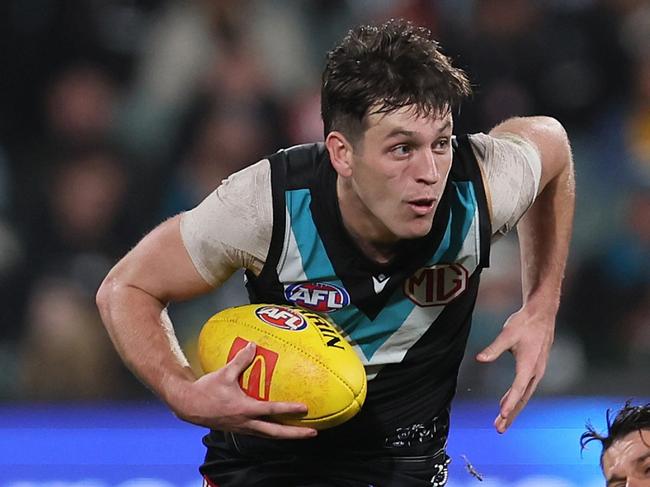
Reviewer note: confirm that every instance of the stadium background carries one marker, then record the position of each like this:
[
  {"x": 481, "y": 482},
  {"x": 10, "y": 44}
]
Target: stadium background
[{"x": 115, "y": 114}]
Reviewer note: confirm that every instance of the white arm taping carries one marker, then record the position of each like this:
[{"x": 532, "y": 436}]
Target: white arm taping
[
  {"x": 512, "y": 169},
  {"x": 231, "y": 228}
]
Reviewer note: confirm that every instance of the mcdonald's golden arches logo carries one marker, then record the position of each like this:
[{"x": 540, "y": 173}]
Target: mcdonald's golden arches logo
[{"x": 256, "y": 379}]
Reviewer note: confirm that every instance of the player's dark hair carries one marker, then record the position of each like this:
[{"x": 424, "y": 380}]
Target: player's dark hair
[
  {"x": 380, "y": 69},
  {"x": 629, "y": 419}
]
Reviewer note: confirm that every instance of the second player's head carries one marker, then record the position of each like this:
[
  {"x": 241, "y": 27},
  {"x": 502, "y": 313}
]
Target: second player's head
[{"x": 625, "y": 457}]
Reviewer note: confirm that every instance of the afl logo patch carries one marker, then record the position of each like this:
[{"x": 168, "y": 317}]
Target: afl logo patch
[
  {"x": 317, "y": 296},
  {"x": 281, "y": 317},
  {"x": 436, "y": 285}
]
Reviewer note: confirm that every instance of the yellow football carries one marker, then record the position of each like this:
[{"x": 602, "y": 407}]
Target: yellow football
[{"x": 300, "y": 357}]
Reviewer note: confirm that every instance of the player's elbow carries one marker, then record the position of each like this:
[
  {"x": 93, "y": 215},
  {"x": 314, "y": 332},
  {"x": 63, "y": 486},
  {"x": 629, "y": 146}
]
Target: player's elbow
[
  {"x": 560, "y": 156},
  {"x": 552, "y": 125},
  {"x": 104, "y": 295},
  {"x": 546, "y": 133},
  {"x": 552, "y": 141},
  {"x": 108, "y": 295},
  {"x": 557, "y": 137}
]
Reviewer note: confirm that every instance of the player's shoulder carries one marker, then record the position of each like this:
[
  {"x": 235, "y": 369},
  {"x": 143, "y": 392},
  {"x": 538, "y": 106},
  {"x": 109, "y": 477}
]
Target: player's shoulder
[
  {"x": 255, "y": 179},
  {"x": 300, "y": 165},
  {"x": 248, "y": 180},
  {"x": 301, "y": 155},
  {"x": 312, "y": 148},
  {"x": 249, "y": 172},
  {"x": 490, "y": 149},
  {"x": 511, "y": 168}
]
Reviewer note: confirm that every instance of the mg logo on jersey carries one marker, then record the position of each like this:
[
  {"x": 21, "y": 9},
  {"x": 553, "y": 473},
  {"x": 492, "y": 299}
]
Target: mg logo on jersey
[
  {"x": 436, "y": 285},
  {"x": 256, "y": 379},
  {"x": 281, "y": 317},
  {"x": 317, "y": 296}
]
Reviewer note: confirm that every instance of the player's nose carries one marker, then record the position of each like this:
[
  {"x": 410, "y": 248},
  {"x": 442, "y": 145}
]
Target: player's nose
[{"x": 426, "y": 170}]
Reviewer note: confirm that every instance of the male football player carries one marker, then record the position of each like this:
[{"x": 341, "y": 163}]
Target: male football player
[{"x": 395, "y": 215}]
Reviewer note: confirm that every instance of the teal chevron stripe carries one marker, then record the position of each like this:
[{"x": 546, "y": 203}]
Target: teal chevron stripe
[
  {"x": 463, "y": 209},
  {"x": 315, "y": 262},
  {"x": 368, "y": 334}
]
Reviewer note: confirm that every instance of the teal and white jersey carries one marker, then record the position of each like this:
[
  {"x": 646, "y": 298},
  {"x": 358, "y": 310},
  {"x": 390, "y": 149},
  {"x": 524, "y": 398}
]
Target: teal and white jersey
[
  {"x": 309, "y": 279},
  {"x": 409, "y": 319}
]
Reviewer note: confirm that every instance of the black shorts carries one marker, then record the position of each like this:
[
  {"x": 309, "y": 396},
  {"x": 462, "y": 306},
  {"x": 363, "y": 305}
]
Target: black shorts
[{"x": 238, "y": 461}]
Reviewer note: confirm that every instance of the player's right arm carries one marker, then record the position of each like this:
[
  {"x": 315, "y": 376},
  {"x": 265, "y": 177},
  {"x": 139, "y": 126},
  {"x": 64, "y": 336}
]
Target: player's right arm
[
  {"x": 132, "y": 302},
  {"x": 543, "y": 218}
]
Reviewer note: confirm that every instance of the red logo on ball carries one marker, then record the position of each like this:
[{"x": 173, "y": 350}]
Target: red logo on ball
[
  {"x": 256, "y": 379},
  {"x": 281, "y": 317}
]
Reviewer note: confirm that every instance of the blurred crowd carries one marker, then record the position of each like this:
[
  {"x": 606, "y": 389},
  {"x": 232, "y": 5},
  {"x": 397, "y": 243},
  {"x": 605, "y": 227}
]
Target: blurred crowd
[{"x": 115, "y": 114}]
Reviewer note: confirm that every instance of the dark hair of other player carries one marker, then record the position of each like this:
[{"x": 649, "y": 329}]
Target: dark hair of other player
[
  {"x": 629, "y": 419},
  {"x": 382, "y": 69}
]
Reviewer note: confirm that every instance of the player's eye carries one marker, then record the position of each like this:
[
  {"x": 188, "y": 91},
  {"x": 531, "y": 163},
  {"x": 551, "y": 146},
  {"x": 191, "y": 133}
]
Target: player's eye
[
  {"x": 402, "y": 150},
  {"x": 441, "y": 145}
]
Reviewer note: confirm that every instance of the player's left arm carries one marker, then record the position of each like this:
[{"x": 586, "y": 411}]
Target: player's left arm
[{"x": 544, "y": 234}]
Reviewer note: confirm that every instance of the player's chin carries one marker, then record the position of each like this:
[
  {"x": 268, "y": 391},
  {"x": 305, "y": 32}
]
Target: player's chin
[{"x": 415, "y": 228}]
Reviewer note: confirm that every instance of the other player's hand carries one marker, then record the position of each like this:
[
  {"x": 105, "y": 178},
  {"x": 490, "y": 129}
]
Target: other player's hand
[
  {"x": 529, "y": 337},
  {"x": 217, "y": 401}
]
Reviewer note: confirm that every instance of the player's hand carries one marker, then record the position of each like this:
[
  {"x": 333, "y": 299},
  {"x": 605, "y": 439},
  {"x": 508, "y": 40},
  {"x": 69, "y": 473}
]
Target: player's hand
[
  {"x": 217, "y": 401},
  {"x": 529, "y": 337}
]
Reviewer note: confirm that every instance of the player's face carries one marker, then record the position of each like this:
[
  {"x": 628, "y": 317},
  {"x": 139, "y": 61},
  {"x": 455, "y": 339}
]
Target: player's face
[
  {"x": 398, "y": 173},
  {"x": 626, "y": 462}
]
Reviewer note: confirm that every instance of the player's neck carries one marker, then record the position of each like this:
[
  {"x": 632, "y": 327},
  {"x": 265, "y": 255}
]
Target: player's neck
[
  {"x": 374, "y": 240},
  {"x": 378, "y": 252}
]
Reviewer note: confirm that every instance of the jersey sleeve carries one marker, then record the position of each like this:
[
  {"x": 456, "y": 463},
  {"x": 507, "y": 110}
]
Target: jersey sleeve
[
  {"x": 231, "y": 228},
  {"x": 511, "y": 167}
]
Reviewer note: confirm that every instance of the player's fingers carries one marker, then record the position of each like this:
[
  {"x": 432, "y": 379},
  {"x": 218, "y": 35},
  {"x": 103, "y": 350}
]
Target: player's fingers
[
  {"x": 530, "y": 390},
  {"x": 494, "y": 350},
  {"x": 264, "y": 408},
  {"x": 276, "y": 430},
  {"x": 240, "y": 362},
  {"x": 511, "y": 405},
  {"x": 503, "y": 399},
  {"x": 507, "y": 422},
  {"x": 500, "y": 421},
  {"x": 523, "y": 379}
]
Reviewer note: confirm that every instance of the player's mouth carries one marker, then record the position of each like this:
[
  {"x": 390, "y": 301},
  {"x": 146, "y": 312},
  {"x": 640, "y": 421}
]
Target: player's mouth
[{"x": 422, "y": 206}]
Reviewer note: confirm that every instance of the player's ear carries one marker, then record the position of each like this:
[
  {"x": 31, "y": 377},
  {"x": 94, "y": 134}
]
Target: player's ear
[{"x": 340, "y": 150}]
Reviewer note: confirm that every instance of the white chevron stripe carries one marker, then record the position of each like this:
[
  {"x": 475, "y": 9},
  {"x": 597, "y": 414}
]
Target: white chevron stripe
[{"x": 290, "y": 263}]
